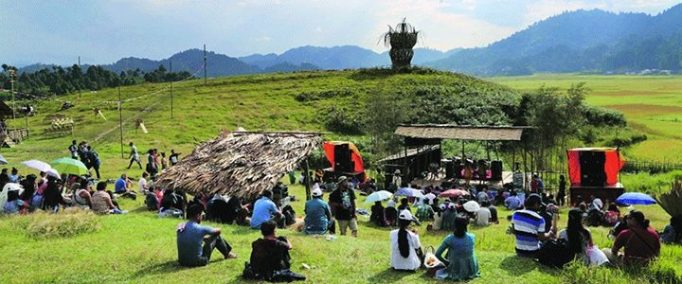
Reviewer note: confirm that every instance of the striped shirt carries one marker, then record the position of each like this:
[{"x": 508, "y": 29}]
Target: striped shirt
[{"x": 527, "y": 226}]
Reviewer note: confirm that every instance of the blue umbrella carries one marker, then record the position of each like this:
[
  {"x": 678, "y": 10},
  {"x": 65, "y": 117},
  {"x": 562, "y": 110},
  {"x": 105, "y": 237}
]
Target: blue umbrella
[
  {"x": 635, "y": 198},
  {"x": 409, "y": 192}
]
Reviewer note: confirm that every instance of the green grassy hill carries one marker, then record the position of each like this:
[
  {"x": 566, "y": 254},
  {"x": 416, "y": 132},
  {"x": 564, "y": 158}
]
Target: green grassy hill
[{"x": 140, "y": 247}]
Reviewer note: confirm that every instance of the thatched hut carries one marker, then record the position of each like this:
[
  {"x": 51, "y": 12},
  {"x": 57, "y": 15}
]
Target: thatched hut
[{"x": 242, "y": 164}]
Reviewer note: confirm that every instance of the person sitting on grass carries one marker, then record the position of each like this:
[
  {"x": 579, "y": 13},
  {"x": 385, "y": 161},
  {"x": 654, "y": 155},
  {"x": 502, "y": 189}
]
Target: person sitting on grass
[
  {"x": 405, "y": 246},
  {"x": 461, "y": 263},
  {"x": 512, "y": 202},
  {"x": 121, "y": 187},
  {"x": 191, "y": 235},
  {"x": 81, "y": 196},
  {"x": 13, "y": 204},
  {"x": 318, "y": 216},
  {"x": 270, "y": 259},
  {"x": 377, "y": 216},
  {"x": 529, "y": 228},
  {"x": 404, "y": 205},
  {"x": 264, "y": 209},
  {"x": 144, "y": 186},
  {"x": 424, "y": 211},
  {"x": 483, "y": 215},
  {"x": 641, "y": 242},
  {"x": 579, "y": 240},
  {"x": 101, "y": 201},
  {"x": 672, "y": 233},
  {"x": 390, "y": 213}
]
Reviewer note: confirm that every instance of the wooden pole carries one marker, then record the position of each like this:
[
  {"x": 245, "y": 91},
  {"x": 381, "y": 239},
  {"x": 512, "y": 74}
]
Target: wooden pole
[
  {"x": 308, "y": 176},
  {"x": 120, "y": 119},
  {"x": 170, "y": 63}
]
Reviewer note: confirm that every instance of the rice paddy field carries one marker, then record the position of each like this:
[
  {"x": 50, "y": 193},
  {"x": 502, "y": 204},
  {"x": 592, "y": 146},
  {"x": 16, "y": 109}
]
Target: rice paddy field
[
  {"x": 651, "y": 105},
  {"x": 140, "y": 247}
]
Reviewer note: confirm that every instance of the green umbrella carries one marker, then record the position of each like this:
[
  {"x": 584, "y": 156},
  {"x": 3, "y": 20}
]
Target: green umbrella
[{"x": 69, "y": 166}]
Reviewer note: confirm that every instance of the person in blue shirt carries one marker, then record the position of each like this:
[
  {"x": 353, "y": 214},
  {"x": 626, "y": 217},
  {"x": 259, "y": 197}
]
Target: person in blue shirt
[
  {"x": 512, "y": 202},
  {"x": 121, "y": 187},
  {"x": 14, "y": 177},
  {"x": 191, "y": 235},
  {"x": 318, "y": 216},
  {"x": 263, "y": 210}
]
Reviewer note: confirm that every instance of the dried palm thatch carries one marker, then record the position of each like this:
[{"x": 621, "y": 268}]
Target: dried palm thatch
[
  {"x": 402, "y": 39},
  {"x": 242, "y": 164},
  {"x": 672, "y": 201}
]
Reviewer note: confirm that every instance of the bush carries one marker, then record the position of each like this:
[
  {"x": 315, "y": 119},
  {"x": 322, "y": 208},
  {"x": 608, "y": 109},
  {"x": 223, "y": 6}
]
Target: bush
[
  {"x": 70, "y": 222},
  {"x": 328, "y": 94},
  {"x": 341, "y": 120},
  {"x": 597, "y": 116}
]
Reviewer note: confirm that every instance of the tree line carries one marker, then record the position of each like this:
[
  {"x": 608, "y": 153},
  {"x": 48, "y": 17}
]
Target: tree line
[{"x": 59, "y": 80}]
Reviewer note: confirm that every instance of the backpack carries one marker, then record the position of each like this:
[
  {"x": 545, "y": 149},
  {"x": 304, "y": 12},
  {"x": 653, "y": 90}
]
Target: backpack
[
  {"x": 150, "y": 202},
  {"x": 555, "y": 253}
]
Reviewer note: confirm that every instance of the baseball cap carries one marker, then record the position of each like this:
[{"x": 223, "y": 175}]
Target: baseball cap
[
  {"x": 341, "y": 179},
  {"x": 317, "y": 192}
]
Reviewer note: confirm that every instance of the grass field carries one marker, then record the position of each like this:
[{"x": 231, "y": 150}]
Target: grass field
[
  {"x": 651, "y": 104},
  {"x": 139, "y": 247}
]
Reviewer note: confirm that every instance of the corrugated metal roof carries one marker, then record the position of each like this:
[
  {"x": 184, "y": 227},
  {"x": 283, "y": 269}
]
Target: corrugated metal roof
[{"x": 449, "y": 131}]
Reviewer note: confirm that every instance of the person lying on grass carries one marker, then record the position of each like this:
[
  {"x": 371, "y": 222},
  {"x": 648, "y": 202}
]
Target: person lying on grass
[{"x": 191, "y": 235}]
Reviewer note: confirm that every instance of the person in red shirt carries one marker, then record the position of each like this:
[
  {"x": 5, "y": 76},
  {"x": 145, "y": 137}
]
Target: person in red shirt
[{"x": 640, "y": 242}]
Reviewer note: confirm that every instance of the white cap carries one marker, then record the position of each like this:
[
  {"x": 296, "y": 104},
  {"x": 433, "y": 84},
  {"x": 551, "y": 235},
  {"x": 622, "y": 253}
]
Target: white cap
[
  {"x": 317, "y": 192},
  {"x": 406, "y": 215},
  {"x": 391, "y": 203}
]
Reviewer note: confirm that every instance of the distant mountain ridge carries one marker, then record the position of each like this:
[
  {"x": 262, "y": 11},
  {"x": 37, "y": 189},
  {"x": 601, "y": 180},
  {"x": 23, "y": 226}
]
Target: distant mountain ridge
[
  {"x": 578, "y": 41},
  {"x": 581, "y": 41}
]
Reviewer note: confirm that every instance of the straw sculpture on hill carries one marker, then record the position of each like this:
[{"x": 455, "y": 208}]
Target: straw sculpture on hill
[
  {"x": 401, "y": 39},
  {"x": 240, "y": 164}
]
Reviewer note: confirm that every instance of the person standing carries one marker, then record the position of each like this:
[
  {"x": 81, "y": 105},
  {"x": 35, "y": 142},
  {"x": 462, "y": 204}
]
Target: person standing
[
  {"x": 342, "y": 201},
  {"x": 191, "y": 235},
  {"x": 95, "y": 162},
  {"x": 405, "y": 245},
  {"x": 164, "y": 162},
  {"x": 174, "y": 158},
  {"x": 73, "y": 149},
  {"x": 134, "y": 156},
  {"x": 561, "y": 195},
  {"x": 318, "y": 216}
]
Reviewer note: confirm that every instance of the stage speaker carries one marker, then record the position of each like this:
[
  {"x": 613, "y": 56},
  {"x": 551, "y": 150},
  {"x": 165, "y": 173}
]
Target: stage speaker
[
  {"x": 496, "y": 169},
  {"x": 342, "y": 159},
  {"x": 592, "y": 168},
  {"x": 449, "y": 168}
]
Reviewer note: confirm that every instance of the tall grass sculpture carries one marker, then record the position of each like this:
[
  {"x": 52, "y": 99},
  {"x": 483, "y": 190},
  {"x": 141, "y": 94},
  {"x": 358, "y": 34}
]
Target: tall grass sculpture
[
  {"x": 401, "y": 39},
  {"x": 672, "y": 201}
]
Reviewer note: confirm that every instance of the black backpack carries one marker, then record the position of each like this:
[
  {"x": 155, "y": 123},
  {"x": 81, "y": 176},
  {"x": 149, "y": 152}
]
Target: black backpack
[
  {"x": 150, "y": 202},
  {"x": 555, "y": 253}
]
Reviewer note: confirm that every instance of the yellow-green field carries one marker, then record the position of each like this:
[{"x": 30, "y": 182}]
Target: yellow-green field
[{"x": 651, "y": 104}]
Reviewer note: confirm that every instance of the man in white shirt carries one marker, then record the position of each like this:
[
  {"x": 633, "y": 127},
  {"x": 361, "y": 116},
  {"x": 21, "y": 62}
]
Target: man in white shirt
[
  {"x": 144, "y": 188},
  {"x": 483, "y": 216},
  {"x": 405, "y": 245}
]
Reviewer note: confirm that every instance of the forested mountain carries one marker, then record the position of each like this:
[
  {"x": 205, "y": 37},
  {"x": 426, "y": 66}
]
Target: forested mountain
[{"x": 581, "y": 41}]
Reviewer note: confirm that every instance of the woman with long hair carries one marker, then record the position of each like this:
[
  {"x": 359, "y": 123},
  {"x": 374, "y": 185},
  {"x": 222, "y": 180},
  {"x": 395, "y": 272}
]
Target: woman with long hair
[
  {"x": 405, "y": 245},
  {"x": 461, "y": 263},
  {"x": 579, "y": 239}
]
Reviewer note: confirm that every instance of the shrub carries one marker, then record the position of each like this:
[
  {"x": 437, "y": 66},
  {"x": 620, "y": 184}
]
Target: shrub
[
  {"x": 597, "y": 116},
  {"x": 70, "y": 222},
  {"x": 328, "y": 94},
  {"x": 342, "y": 120}
]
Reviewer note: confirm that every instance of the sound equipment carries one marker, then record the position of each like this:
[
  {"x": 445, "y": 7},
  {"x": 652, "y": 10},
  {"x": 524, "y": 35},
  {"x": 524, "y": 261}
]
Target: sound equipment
[
  {"x": 449, "y": 168},
  {"x": 342, "y": 159},
  {"x": 592, "y": 168},
  {"x": 496, "y": 169}
]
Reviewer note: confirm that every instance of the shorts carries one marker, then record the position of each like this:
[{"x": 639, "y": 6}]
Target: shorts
[{"x": 344, "y": 224}]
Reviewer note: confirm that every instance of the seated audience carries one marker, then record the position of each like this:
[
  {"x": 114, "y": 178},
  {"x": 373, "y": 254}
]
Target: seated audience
[
  {"x": 640, "y": 242},
  {"x": 424, "y": 211},
  {"x": 529, "y": 228},
  {"x": 191, "y": 235},
  {"x": 460, "y": 261},
  {"x": 377, "y": 216},
  {"x": 483, "y": 215},
  {"x": 263, "y": 210},
  {"x": 391, "y": 214},
  {"x": 101, "y": 201},
  {"x": 512, "y": 202},
  {"x": 318, "y": 216},
  {"x": 121, "y": 187},
  {"x": 579, "y": 240},
  {"x": 82, "y": 197},
  {"x": 270, "y": 259},
  {"x": 672, "y": 234},
  {"x": 13, "y": 203},
  {"x": 405, "y": 246}
]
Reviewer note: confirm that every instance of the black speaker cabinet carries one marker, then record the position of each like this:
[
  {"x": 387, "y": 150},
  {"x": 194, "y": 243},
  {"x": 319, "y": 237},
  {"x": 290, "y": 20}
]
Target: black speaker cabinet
[
  {"x": 592, "y": 168},
  {"x": 496, "y": 169},
  {"x": 342, "y": 159},
  {"x": 449, "y": 169}
]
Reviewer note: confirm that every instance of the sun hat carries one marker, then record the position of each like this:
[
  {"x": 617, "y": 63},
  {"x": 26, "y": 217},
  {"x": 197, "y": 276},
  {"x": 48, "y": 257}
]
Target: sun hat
[
  {"x": 406, "y": 215},
  {"x": 341, "y": 179}
]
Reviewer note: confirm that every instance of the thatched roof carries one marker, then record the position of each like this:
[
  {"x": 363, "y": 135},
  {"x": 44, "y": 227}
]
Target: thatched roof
[
  {"x": 5, "y": 110},
  {"x": 242, "y": 164},
  {"x": 448, "y": 131}
]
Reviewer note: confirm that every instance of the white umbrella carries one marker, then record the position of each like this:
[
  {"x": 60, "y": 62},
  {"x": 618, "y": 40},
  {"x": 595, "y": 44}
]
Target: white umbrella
[
  {"x": 416, "y": 193},
  {"x": 37, "y": 165},
  {"x": 430, "y": 197},
  {"x": 3, "y": 199},
  {"x": 13, "y": 186},
  {"x": 471, "y": 206},
  {"x": 3, "y": 161},
  {"x": 378, "y": 196},
  {"x": 53, "y": 173}
]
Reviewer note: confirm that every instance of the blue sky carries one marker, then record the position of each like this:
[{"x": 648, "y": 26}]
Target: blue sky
[{"x": 102, "y": 32}]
